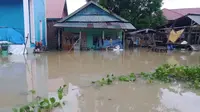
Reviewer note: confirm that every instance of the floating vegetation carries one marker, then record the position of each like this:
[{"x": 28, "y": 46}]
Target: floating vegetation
[
  {"x": 105, "y": 81},
  {"x": 129, "y": 78},
  {"x": 111, "y": 78},
  {"x": 43, "y": 104},
  {"x": 166, "y": 73},
  {"x": 169, "y": 73}
]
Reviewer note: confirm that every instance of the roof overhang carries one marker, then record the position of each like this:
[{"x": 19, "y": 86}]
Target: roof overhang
[
  {"x": 102, "y": 25},
  {"x": 187, "y": 20}
]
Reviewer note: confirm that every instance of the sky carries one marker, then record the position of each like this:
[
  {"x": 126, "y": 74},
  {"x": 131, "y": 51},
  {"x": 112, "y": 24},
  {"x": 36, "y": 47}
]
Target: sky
[{"x": 170, "y": 4}]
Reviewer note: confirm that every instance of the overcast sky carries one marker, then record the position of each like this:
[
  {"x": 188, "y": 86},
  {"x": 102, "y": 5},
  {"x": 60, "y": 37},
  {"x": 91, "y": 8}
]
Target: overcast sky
[{"x": 171, "y": 4}]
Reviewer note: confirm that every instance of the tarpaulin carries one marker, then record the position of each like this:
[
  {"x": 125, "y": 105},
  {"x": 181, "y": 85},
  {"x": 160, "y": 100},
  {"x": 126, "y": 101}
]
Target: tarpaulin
[
  {"x": 107, "y": 43},
  {"x": 173, "y": 37},
  {"x": 11, "y": 35}
]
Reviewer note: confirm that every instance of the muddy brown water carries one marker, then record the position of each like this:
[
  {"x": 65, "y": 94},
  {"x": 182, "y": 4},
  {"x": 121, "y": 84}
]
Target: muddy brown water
[{"x": 46, "y": 72}]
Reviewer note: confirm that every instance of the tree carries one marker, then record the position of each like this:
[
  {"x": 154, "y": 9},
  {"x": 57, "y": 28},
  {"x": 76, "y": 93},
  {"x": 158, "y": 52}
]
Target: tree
[{"x": 141, "y": 13}]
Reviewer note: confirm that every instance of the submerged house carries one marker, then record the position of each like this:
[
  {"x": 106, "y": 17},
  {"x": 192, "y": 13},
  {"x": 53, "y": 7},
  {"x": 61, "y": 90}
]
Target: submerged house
[
  {"x": 92, "y": 27},
  {"x": 21, "y": 19},
  {"x": 56, "y": 10},
  {"x": 186, "y": 20}
]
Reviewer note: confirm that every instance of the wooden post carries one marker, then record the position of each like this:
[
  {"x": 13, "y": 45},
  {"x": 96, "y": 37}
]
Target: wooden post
[
  {"x": 124, "y": 40},
  {"x": 61, "y": 30},
  {"x": 189, "y": 35},
  {"x": 79, "y": 44},
  {"x": 58, "y": 39},
  {"x": 103, "y": 35}
]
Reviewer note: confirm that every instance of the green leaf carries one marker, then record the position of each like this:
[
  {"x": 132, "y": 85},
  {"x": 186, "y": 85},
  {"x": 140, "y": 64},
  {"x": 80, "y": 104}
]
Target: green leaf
[
  {"x": 60, "y": 96},
  {"x": 21, "y": 110},
  {"x": 39, "y": 110},
  {"x": 53, "y": 100},
  {"x": 15, "y": 110},
  {"x": 45, "y": 104},
  {"x": 33, "y": 91},
  {"x": 132, "y": 79},
  {"x": 57, "y": 104}
]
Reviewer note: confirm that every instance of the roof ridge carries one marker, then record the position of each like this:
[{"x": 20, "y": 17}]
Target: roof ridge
[
  {"x": 186, "y": 8},
  {"x": 174, "y": 11},
  {"x": 99, "y": 6}
]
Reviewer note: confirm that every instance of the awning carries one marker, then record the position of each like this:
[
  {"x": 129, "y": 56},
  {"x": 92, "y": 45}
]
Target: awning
[{"x": 109, "y": 25}]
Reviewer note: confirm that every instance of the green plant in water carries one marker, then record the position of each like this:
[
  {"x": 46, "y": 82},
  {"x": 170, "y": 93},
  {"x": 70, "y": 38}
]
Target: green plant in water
[
  {"x": 106, "y": 81},
  {"x": 128, "y": 78},
  {"x": 110, "y": 78},
  {"x": 32, "y": 92},
  {"x": 168, "y": 73},
  {"x": 43, "y": 104}
]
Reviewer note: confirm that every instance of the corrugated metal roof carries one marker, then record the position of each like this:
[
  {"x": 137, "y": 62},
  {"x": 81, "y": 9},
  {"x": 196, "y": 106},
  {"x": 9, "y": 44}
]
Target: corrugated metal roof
[
  {"x": 55, "y": 8},
  {"x": 92, "y": 18},
  {"x": 172, "y": 14},
  {"x": 195, "y": 18},
  {"x": 90, "y": 4},
  {"x": 110, "y": 25},
  {"x": 93, "y": 15}
]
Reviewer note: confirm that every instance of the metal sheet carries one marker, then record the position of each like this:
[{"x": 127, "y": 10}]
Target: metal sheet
[
  {"x": 195, "y": 18},
  {"x": 93, "y": 18},
  {"x": 110, "y": 25}
]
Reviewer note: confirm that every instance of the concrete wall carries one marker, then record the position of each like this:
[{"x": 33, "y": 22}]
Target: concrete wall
[
  {"x": 11, "y": 14},
  {"x": 39, "y": 15}
]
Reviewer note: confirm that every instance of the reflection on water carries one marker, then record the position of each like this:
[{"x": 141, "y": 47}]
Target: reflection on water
[{"x": 46, "y": 72}]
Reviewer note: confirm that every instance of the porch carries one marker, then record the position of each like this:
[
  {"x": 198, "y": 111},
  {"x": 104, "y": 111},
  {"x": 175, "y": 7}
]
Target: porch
[{"x": 85, "y": 39}]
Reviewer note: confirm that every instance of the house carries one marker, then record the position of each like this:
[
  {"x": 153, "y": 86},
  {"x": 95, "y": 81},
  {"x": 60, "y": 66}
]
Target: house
[
  {"x": 92, "y": 27},
  {"x": 172, "y": 14},
  {"x": 56, "y": 10},
  {"x": 184, "y": 19},
  {"x": 26, "y": 18}
]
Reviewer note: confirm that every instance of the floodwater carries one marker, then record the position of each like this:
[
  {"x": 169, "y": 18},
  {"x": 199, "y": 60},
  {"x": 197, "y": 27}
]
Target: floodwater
[{"x": 46, "y": 72}]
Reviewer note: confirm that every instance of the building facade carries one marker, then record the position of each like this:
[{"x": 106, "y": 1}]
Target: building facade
[
  {"x": 56, "y": 10},
  {"x": 26, "y": 17},
  {"x": 92, "y": 27}
]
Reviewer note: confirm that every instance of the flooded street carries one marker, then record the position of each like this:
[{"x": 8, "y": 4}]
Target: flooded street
[{"x": 46, "y": 72}]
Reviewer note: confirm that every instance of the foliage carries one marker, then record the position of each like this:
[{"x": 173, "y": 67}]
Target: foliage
[
  {"x": 141, "y": 13},
  {"x": 169, "y": 73},
  {"x": 111, "y": 78},
  {"x": 166, "y": 73},
  {"x": 147, "y": 76},
  {"x": 128, "y": 78},
  {"x": 105, "y": 81},
  {"x": 43, "y": 104}
]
